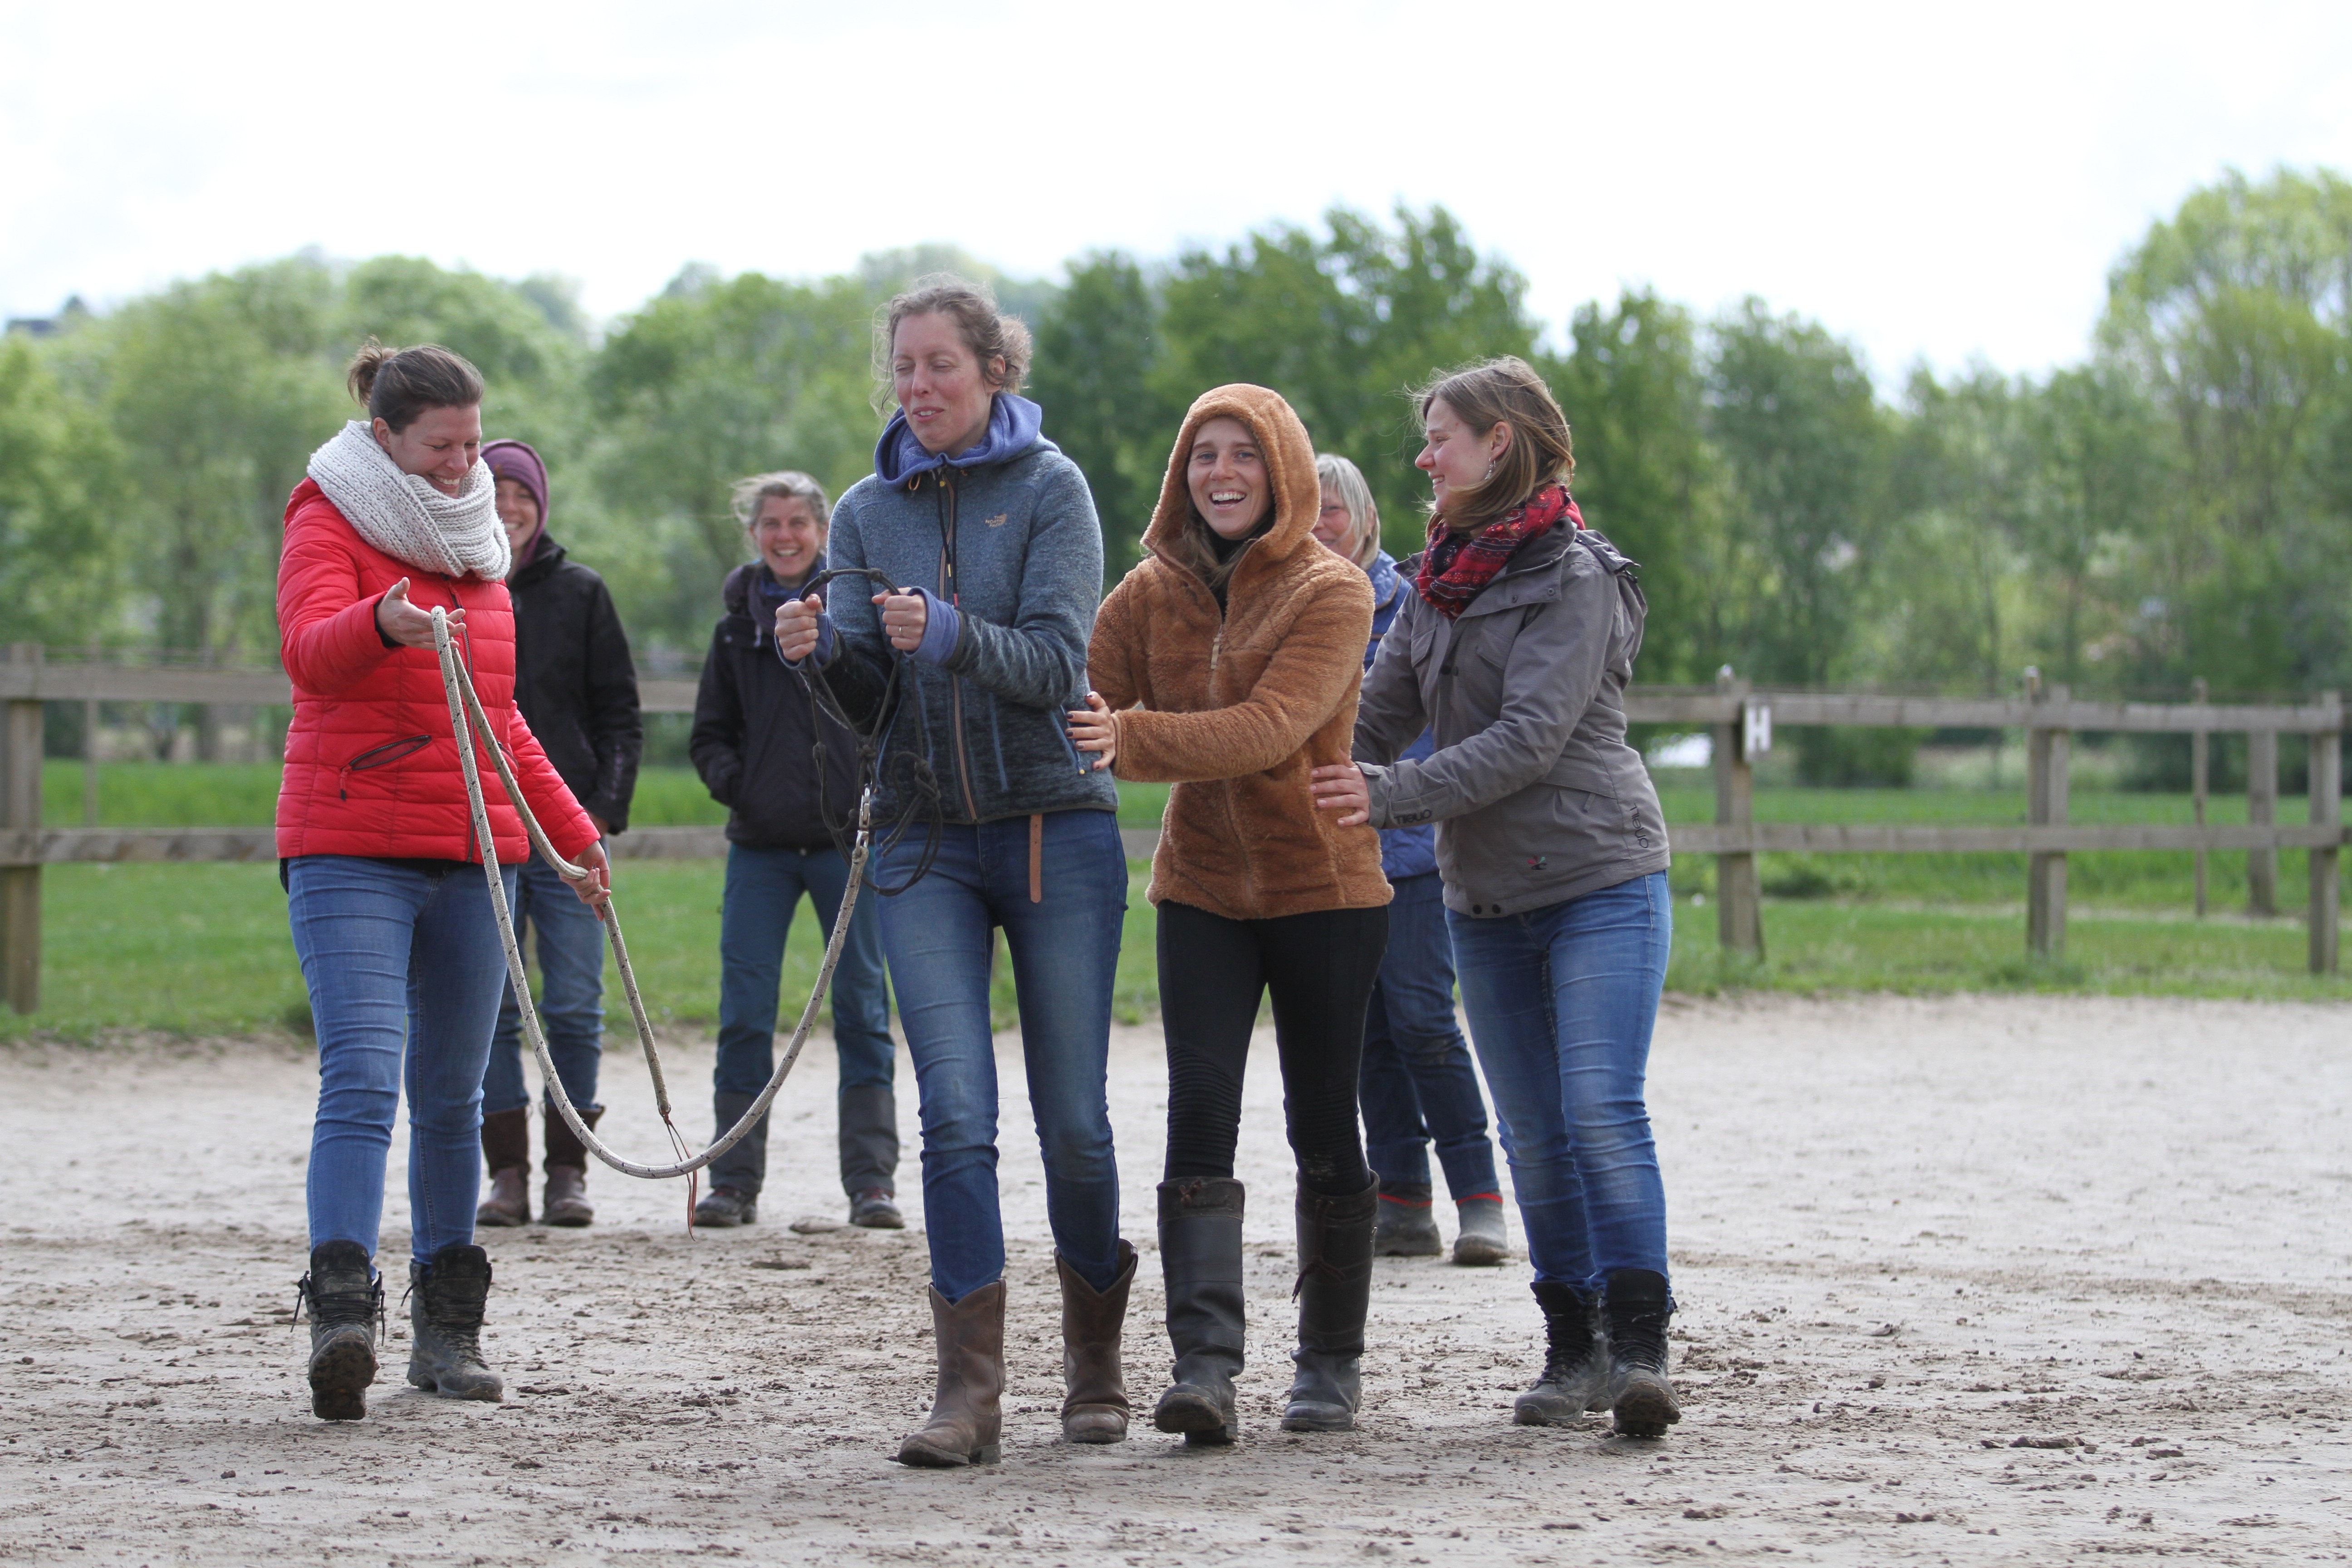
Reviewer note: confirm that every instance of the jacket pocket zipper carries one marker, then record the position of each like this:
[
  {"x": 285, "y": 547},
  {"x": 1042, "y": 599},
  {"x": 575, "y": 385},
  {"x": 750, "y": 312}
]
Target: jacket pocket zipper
[{"x": 391, "y": 752}]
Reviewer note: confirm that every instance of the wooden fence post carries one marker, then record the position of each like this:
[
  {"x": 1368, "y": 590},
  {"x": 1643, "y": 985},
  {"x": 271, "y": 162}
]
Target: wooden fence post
[
  {"x": 20, "y": 808},
  {"x": 90, "y": 744},
  {"x": 2048, "y": 752},
  {"x": 1740, "y": 915},
  {"x": 2326, "y": 811},
  {"x": 2201, "y": 758},
  {"x": 2261, "y": 810}
]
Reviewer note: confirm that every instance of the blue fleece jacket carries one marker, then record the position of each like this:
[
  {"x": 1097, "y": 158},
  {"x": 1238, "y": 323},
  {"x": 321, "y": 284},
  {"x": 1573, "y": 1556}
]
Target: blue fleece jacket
[{"x": 1006, "y": 535}]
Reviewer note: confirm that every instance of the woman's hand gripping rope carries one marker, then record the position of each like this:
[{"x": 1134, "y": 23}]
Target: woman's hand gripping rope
[{"x": 465, "y": 711}]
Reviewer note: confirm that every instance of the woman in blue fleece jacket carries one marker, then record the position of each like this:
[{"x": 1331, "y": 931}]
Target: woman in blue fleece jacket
[{"x": 988, "y": 535}]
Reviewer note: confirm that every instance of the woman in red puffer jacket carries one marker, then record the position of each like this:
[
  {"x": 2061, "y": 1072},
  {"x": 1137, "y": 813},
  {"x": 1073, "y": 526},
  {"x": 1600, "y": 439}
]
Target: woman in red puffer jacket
[{"x": 390, "y": 910}]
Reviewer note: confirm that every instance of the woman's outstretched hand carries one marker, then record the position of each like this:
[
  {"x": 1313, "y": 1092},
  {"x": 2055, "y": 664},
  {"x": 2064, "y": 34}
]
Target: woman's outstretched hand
[
  {"x": 797, "y": 626},
  {"x": 594, "y": 889},
  {"x": 1341, "y": 787},
  {"x": 1095, "y": 728},
  {"x": 398, "y": 621}
]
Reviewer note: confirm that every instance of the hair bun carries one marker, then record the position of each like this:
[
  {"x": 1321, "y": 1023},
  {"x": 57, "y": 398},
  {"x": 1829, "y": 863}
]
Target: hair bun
[{"x": 361, "y": 376}]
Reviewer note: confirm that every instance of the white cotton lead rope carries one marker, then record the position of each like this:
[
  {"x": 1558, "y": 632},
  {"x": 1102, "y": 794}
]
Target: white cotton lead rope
[{"x": 465, "y": 706}]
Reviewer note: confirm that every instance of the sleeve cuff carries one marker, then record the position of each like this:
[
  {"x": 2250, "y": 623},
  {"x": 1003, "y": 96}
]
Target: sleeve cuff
[{"x": 942, "y": 629}]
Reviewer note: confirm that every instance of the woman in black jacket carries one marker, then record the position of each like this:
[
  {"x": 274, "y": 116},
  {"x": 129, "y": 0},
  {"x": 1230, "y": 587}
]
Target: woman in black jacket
[
  {"x": 578, "y": 691},
  {"x": 753, "y": 745}
]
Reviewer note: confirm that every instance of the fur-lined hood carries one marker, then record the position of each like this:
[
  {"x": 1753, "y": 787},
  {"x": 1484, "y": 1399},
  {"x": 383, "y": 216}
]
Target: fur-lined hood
[
  {"x": 1289, "y": 455},
  {"x": 1237, "y": 704}
]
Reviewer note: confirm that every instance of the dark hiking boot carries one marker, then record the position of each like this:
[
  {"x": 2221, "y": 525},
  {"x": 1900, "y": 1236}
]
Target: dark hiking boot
[
  {"x": 1576, "y": 1361},
  {"x": 566, "y": 1203},
  {"x": 1334, "y": 1291},
  {"x": 722, "y": 1208},
  {"x": 446, "y": 1297},
  {"x": 1200, "y": 1260},
  {"x": 877, "y": 1208},
  {"x": 1482, "y": 1241},
  {"x": 1408, "y": 1224},
  {"x": 506, "y": 1150},
  {"x": 867, "y": 1117},
  {"x": 344, "y": 1297},
  {"x": 967, "y": 1421},
  {"x": 1636, "y": 1310},
  {"x": 1094, "y": 1384}
]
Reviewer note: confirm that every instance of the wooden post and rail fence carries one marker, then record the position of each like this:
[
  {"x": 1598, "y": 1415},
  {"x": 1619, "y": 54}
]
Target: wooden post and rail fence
[{"x": 1741, "y": 721}]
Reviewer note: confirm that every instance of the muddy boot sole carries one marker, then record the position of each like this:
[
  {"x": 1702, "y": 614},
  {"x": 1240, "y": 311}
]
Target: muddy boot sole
[
  {"x": 1552, "y": 1407},
  {"x": 486, "y": 1386},
  {"x": 927, "y": 1456},
  {"x": 341, "y": 1372},
  {"x": 1197, "y": 1414},
  {"x": 1645, "y": 1407}
]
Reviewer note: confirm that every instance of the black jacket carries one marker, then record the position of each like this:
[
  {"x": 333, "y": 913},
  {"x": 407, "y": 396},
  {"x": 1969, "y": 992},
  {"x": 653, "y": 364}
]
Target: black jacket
[
  {"x": 574, "y": 682},
  {"x": 751, "y": 741}
]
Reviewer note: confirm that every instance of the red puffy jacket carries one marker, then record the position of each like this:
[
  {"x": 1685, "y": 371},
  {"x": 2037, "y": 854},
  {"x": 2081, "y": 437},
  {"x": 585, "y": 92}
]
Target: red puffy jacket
[{"x": 371, "y": 763}]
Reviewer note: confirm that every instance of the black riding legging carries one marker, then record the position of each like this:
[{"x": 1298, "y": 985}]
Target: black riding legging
[{"x": 1320, "y": 968}]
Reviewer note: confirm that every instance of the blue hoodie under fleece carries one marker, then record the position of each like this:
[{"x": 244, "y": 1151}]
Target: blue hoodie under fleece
[{"x": 1006, "y": 534}]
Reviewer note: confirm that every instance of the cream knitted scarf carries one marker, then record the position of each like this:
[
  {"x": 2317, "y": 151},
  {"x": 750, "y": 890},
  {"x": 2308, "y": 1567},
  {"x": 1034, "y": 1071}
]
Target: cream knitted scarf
[{"x": 405, "y": 517}]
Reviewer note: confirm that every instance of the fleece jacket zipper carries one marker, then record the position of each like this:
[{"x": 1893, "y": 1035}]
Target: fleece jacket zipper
[
  {"x": 955, "y": 685},
  {"x": 1224, "y": 786}
]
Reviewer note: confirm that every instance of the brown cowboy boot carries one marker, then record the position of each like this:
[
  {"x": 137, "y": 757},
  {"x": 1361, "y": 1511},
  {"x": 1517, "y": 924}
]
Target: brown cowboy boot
[
  {"x": 967, "y": 1419},
  {"x": 1095, "y": 1408},
  {"x": 505, "y": 1149},
  {"x": 566, "y": 1203}
]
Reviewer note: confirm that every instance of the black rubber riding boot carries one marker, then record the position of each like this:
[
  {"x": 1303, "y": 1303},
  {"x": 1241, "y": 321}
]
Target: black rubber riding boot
[
  {"x": 446, "y": 1298},
  {"x": 736, "y": 1176},
  {"x": 344, "y": 1297},
  {"x": 1637, "y": 1308},
  {"x": 1200, "y": 1260},
  {"x": 1482, "y": 1242},
  {"x": 1408, "y": 1226},
  {"x": 1335, "y": 1292},
  {"x": 1576, "y": 1361}
]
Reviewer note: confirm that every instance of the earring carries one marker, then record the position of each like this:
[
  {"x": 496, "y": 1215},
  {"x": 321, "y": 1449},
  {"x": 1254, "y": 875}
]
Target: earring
[{"x": 1490, "y": 468}]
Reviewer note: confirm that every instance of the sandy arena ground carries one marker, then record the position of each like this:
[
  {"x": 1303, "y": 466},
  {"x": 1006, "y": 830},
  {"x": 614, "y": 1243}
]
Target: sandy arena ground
[{"x": 2014, "y": 1280}]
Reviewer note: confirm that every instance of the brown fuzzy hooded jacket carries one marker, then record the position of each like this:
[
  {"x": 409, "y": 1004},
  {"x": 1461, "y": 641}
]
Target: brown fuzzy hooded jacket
[{"x": 1235, "y": 707}]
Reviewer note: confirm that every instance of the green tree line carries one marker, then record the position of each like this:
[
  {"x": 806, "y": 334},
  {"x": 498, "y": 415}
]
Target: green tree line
[{"x": 2174, "y": 506}]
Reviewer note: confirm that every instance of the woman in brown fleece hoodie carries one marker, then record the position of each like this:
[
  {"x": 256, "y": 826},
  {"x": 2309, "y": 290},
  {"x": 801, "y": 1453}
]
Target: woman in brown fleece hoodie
[{"x": 1227, "y": 663}]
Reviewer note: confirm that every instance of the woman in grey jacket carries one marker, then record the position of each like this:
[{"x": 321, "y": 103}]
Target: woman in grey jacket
[
  {"x": 1517, "y": 650},
  {"x": 988, "y": 536}
]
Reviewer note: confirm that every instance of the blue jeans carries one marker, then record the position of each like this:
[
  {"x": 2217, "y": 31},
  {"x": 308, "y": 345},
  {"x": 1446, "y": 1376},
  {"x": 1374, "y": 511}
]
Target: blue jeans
[
  {"x": 1562, "y": 1001},
  {"x": 1416, "y": 1082},
  {"x": 755, "y": 915},
  {"x": 571, "y": 994},
  {"x": 1064, "y": 952},
  {"x": 406, "y": 971}
]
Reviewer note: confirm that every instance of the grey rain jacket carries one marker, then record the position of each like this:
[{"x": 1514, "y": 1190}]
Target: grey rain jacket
[
  {"x": 1012, "y": 541},
  {"x": 1536, "y": 797}
]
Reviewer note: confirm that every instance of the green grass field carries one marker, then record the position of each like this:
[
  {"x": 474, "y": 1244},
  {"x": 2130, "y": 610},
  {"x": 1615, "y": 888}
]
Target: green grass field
[{"x": 203, "y": 948}]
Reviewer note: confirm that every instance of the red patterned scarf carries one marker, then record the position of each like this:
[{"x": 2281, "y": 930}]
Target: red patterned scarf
[{"x": 1458, "y": 566}]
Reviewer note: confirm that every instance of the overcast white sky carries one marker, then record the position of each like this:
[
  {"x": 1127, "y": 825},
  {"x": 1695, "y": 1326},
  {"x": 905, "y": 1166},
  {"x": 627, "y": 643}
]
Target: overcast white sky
[{"x": 1939, "y": 180}]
